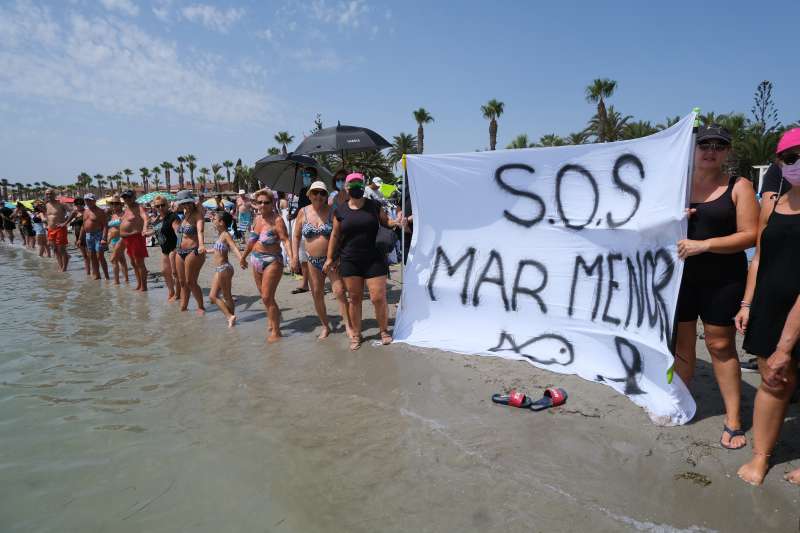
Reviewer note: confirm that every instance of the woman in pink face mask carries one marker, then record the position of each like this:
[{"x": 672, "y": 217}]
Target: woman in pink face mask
[{"x": 770, "y": 312}]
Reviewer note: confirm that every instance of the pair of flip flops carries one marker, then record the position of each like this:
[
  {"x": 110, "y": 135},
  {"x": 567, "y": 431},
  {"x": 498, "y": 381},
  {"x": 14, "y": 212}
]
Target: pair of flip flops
[{"x": 552, "y": 397}]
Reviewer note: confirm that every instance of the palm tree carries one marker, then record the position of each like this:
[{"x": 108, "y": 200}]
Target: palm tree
[
  {"x": 640, "y": 128},
  {"x": 190, "y": 162},
  {"x": 283, "y": 138},
  {"x": 405, "y": 143},
  {"x": 144, "y": 172},
  {"x": 671, "y": 121},
  {"x": 215, "y": 168},
  {"x": 203, "y": 179},
  {"x": 156, "y": 173},
  {"x": 128, "y": 173},
  {"x": 181, "y": 161},
  {"x": 99, "y": 179},
  {"x": 4, "y": 183},
  {"x": 612, "y": 126},
  {"x": 273, "y": 151},
  {"x": 551, "y": 139},
  {"x": 167, "y": 166},
  {"x": 707, "y": 119},
  {"x": 597, "y": 92},
  {"x": 520, "y": 141},
  {"x": 228, "y": 165},
  {"x": 422, "y": 117},
  {"x": 156, "y": 181},
  {"x": 580, "y": 137},
  {"x": 491, "y": 112}
]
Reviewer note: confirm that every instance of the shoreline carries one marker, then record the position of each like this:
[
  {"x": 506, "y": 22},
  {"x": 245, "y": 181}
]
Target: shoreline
[{"x": 583, "y": 454}]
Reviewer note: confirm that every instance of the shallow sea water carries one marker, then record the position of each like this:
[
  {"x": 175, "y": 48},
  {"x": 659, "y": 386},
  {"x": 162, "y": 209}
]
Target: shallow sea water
[{"x": 117, "y": 413}]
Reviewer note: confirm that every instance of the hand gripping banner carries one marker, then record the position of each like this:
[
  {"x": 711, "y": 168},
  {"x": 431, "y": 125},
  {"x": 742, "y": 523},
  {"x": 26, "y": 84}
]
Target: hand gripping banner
[{"x": 565, "y": 257}]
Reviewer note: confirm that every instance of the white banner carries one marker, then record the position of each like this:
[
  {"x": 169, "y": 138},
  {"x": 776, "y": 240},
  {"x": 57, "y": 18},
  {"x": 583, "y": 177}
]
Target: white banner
[{"x": 565, "y": 257}]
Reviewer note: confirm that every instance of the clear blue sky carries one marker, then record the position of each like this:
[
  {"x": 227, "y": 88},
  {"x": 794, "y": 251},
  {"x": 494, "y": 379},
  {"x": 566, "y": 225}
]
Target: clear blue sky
[{"x": 101, "y": 85}]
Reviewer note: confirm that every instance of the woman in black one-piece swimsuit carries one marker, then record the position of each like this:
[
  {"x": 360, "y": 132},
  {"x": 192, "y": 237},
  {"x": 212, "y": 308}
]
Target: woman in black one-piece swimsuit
[
  {"x": 722, "y": 224},
  {"x": 770, "y": 314}
]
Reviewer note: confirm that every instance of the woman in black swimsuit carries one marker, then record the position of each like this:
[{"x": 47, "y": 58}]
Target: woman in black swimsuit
[
  {"x": 770, "y": 313},
  {"x": 164, "y": 226},
  {"x": 80, "y": 243},
  {"x": 355, "y": 227},
  {"x": 723, "y": 217}
]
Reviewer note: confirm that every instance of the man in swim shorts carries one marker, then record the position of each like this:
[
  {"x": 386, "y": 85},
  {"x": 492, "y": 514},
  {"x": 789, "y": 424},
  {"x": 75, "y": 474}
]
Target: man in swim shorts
[
  {"x": 57, "y": 228},
  {"x": 132, "y": 229},
  {"x": 95, "y": 231}
]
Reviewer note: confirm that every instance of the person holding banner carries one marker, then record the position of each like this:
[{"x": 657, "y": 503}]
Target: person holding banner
[
  {"x": 355, "y": 228},
  {"x": 723, "y": 219},
  {"x": 770, "y": 313}
]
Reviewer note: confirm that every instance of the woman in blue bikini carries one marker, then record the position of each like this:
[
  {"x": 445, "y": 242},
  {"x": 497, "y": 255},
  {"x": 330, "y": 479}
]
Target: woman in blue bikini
[
  {"x": 314, "y": 223},
  {"x": 264, "y": 253},
  {"x": 118, "y": 261},
  {"x": 191, "y": 253}
]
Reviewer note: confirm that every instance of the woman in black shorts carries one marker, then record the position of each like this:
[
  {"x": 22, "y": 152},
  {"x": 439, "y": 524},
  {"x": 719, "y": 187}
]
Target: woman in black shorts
[
  {"x": 355, "y": 226},
  {"x": 770, "y": 313},
  {"x": 723, "y": 218}
]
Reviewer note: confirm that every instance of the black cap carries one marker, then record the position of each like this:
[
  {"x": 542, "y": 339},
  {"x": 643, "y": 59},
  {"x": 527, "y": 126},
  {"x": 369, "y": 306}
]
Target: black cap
[
  {"x": 714, "y": 132},
  {"x": 127, "y": 194}
]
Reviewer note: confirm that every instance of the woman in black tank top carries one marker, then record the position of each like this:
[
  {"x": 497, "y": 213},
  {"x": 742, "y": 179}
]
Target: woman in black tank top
[
  {"x": 770, "y": 314},
  {"x": 723, "y": 217}
]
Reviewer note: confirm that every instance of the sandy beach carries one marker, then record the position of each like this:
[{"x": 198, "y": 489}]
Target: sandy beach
[
  {"x": 599, "y": 453},
  {"x": 199, "y": 425}
]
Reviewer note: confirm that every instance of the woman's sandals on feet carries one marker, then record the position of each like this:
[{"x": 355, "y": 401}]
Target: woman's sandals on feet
[
  {"x": 386, "y": 338},
  {"x": 793, "y": 477},
  {"x": 732, "y": 434},
  {"x": 355, "y": 342}
]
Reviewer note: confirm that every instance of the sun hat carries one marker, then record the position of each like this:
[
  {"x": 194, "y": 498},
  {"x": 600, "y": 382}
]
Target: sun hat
[
  {"x": 355, "y": 176},
  {"x": 89, "y": 196},
  {"x": 713, "y": 132},
  {"x": 789, "y": 139},
  {"x": 377, "y": 181},
  {"x": 242, "y": 191},
  {"x": 184, "y": 197},
  {"x": 316, "y": 186}
]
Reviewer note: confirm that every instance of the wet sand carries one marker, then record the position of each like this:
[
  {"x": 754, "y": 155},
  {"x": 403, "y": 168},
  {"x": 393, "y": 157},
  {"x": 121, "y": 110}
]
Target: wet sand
[{"x": 304, "y": 435}]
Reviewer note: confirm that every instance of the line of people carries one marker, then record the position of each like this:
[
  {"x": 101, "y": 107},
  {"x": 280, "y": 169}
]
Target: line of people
[
  {"x": 337, "y": 239},
  {"x": 762, "y": 302}
]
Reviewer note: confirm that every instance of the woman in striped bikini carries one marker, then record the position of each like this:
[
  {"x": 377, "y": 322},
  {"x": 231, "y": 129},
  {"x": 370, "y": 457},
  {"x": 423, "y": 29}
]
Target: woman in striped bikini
[{"x": 223, "y": 270}]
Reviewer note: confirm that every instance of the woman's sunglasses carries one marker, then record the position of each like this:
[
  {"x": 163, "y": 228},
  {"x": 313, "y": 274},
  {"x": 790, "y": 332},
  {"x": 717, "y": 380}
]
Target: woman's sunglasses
[
  {"x": 317, "y": 192},
  {"x": 267, "y": 202},
  {"x": 705, "y": 147},
  {"x": 157, "y": 206},
  {"x": 790, "y": 158}
]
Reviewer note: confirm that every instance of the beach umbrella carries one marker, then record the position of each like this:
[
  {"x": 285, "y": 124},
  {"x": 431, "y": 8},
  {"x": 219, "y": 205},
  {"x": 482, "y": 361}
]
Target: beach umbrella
[
  {"x": 147, "y": 198},
  {"x": 103, "y": 201},
  {"x": 280, "y": 172},
  {"x": 342, "y": 139},
  {"x": 66, "y": 199},
  {"x": 27, "y": 203},
  {"x": 11, "y": 205},
  {"x": 212, "y": 204}
]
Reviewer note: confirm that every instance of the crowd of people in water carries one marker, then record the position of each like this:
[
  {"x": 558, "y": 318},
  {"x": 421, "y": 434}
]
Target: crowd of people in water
[
  {"x": 337, "y": 236},
  {"x": 334, "y": 237}
]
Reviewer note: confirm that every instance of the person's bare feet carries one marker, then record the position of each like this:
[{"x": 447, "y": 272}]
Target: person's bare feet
[
  {"x": 183, "y": 308},
  {"x": 200, "y": 312},
  {"x": 755, "y": 471},
  {"x": 232, "y": 321},
  {"x": 793, "y": 477},
  {"x": 324, "y": 333},
  {"x": 274, "y": 337},
  {"x": 171, "y": 298}
]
